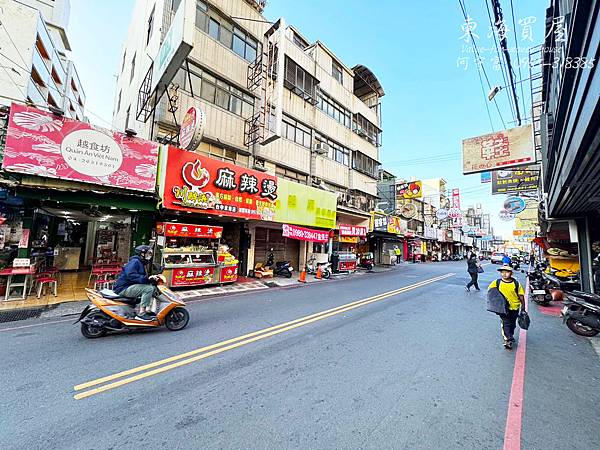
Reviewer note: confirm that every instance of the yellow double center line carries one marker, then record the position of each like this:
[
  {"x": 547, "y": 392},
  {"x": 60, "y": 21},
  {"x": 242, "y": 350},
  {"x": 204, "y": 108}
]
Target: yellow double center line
[{"x": 138, "y": 373}]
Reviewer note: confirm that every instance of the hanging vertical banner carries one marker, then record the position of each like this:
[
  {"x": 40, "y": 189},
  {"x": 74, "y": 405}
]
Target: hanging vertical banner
[{"x": 456, "y": 198}]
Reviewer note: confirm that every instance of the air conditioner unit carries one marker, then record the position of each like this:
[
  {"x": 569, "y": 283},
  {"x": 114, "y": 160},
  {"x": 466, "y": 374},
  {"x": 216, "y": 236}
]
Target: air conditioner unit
[
  {"x": 361, "y": 132},
  {"x": 322, "y": 148},
  {"x": 343, "y": 198},
  {"x": 316, "y": 181},
  {"x": 259, "y": 165}
]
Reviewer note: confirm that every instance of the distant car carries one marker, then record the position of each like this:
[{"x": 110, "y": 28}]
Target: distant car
[{"x": 497, "y": 258}]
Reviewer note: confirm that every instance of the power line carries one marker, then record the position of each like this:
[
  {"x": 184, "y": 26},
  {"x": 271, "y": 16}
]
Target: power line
[
  {"x": 500, "y": 60},
  {"x": 499, "y": 20},
  {"x": 464, "y": 11},
  {"x": 512, "y": 11}
]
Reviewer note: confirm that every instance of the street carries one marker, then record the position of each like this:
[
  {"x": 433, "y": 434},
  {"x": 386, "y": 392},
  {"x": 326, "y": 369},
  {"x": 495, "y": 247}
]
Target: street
[{"x": 418, "y": 364}]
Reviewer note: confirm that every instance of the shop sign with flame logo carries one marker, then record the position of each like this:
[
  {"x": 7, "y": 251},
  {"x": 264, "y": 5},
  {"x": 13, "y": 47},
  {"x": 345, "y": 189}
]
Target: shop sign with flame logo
[{"x": 198, "y": 183}]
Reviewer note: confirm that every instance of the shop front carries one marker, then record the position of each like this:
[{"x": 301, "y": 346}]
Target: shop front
[
  {"x": 199, "y": 191},
  {"x": 77, "y": 204},
  {"x": 386, "y": 238},
  {"x": 192, "y": 255},
  {"x": 346, "y": 241}
]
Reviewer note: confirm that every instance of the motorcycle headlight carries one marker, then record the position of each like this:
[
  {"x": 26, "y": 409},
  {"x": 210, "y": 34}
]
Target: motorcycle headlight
[{"x": 291, "y": 268}]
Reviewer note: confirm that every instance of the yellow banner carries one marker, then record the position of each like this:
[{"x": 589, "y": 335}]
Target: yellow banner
[
  {"x": 348, "y": 239},
  {"x": 299, "y": 204}
]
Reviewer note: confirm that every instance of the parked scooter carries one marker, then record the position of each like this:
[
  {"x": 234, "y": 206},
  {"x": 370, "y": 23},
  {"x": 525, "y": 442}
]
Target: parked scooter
[
  {"x": 540, "y": 293},
  {"x": 312, "y": 266},
  {"x": 111, "y": 312},
  {"x": 366, "y": 260},
  {"x": 280, "y": 268},
  {"x": 581, "y": 313}
]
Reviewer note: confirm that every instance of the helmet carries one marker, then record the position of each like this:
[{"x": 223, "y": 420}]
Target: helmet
[
  {"x": 557, "y": 295},
  {"x": 141, "y": 250}
]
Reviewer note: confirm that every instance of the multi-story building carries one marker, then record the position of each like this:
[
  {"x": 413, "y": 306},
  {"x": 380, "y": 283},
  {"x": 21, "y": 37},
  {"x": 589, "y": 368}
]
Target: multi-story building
[
  {"x": 570, "y": 129},
  {"x": 35, "y": 65},
  {"x": 331, "y": 131}
]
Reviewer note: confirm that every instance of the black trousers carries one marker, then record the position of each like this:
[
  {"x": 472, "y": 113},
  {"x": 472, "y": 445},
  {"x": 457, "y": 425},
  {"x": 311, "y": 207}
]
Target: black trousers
[
  {"x": 473, "y": 281},
  {"x": 509, "y": 323}
]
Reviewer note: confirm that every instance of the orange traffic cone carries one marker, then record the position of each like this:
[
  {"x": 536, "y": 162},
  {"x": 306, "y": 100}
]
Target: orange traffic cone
[
  {"x": 302, "y": 278},
  {"x": 319, "y": 274}
]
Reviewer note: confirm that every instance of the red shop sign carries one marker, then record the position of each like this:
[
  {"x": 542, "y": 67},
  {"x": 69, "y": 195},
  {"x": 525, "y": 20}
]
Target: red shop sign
[
  {"x": 305, "y": 234},
  {"x": 201, "y": 184},
  {"x": 40, "y": 143},
  {"x": 192, "y": 277},
  {"x": 189, "y": 230},
  {"x": 351, "y": 230},
  {"x": 229, "y": 274}
]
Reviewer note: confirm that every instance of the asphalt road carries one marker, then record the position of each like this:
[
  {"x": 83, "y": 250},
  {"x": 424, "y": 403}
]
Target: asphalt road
[{"x": 420, "y": 367}]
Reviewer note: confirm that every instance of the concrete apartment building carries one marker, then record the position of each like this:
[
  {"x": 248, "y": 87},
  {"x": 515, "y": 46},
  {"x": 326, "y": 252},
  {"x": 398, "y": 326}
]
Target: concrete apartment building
[
  {"x": 331, "y": 130},
  {"x": 34, "y": 60}
]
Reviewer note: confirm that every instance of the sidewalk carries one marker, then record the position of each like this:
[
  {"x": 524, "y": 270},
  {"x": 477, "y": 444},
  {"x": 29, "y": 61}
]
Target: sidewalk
[{"x": 56, "y": 308}]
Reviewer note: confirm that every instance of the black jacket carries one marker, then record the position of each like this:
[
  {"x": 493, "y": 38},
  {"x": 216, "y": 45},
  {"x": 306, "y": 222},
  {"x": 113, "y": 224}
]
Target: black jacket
[{"x": 472, "y": 265}]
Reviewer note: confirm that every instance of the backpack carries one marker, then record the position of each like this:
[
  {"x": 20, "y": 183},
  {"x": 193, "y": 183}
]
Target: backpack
[{"x": 496, "y": 301}]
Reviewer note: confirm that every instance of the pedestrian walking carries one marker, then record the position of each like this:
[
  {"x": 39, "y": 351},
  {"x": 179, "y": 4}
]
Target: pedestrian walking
[
  {"x": 506, "y": 260},
  {"x": 473, "y": 271},
  {"x": 514, "y": 296}
]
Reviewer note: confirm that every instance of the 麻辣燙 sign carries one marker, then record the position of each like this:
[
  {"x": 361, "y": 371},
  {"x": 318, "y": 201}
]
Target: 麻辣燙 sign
[{"x": 192, "y": 182}]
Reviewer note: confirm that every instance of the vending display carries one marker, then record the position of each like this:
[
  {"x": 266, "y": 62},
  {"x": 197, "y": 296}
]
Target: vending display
[
  {"x": 344, "y": 261},
  {"x": 191, "y": 255}
]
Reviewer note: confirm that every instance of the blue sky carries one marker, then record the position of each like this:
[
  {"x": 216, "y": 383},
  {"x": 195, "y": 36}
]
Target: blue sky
[{"x": 412, "y": 47}]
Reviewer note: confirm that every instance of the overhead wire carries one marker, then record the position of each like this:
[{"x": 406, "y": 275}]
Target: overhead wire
[
  {"x": 466, "y": 16},
  {"x": 512, "y": 12},
  {"x": 500, "y": 59}
]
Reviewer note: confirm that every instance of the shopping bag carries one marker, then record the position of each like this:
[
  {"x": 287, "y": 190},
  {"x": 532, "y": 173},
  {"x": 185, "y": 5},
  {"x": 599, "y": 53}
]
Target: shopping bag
[
  {"x": 523, "y": 319},
  {"x": 480, "y": 269}
]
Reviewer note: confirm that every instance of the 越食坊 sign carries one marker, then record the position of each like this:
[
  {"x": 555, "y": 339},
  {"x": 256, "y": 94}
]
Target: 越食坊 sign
[{"x": 40, "y": 143}]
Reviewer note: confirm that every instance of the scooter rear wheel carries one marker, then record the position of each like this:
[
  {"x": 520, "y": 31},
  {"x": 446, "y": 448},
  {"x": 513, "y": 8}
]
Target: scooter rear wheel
[
  {"x": 582, "y": 330},
  {"x": 91, "y": 331},
  {"x": 177, "y": 319}
]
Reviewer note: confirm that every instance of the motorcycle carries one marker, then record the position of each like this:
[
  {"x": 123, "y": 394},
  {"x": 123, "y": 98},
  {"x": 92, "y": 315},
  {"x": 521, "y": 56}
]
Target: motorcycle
[
  {"x": 111, "y": 312},
  {"x": 312, "y": 266},
  {"x": 366, "y": 261},
  {"x": 581, "y": 313},
  {"x": 283, "y": 269},
  {"x": 537, "y": 284}
]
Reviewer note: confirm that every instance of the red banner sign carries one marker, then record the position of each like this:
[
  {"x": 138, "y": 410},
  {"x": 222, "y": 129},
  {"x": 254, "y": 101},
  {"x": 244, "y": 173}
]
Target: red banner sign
[
  {"x": 351, "y": 230},
  {"x": 229, "y": 274},
  {"x": 305, "y": 234},
  {"x": 189, "y": 230},
  {"x": 201, "y": 184},
  {"x": 192, "y": 277},
  {"x": 40, "y": 143}
]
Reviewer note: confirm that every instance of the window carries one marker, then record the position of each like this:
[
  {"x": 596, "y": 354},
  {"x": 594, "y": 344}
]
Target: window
[
  {"x": 300, "y": 82},
  {"x": 366, "y": 130},
  {"x": 294, "y": 131},
  {"x": 213, "y": 29},
  {"x": 364, "y": 164},
  {"x": 336, "y": 71},
  {"x": 223, "y": 30},
  {"x": 132, "y": 68},
  {"x": 299, "y": 41},
  {"x": 291, "y": 175},
  {"x": 336, "y": 151},
  {"x": 224, "y": 154},
  {"x": 333, "y": 109},
  {"x": 150, "y": 25},
  {"x": 175, "y": 4},
  {"x": 118, "y": 102},
  {"x": 215, "y": 91}
]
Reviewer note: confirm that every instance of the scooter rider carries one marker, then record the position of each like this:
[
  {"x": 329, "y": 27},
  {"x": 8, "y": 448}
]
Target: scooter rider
[{"x": 134, "y": 282}]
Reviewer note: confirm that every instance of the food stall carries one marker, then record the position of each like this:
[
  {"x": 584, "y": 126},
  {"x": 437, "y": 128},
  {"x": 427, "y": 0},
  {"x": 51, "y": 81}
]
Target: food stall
[{"x": 192, "y": 255}]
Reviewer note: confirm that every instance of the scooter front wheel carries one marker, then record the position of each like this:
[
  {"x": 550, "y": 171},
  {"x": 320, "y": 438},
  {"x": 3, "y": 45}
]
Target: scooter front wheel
[
  {"x": 326, "y": 274},
  {"x": 177, "y": 319}
]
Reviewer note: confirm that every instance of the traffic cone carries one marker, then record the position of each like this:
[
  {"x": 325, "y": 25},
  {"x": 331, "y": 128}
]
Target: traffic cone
[
  {"x": 319, "y": 273},
  {"x": 302, "y": 278}
]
